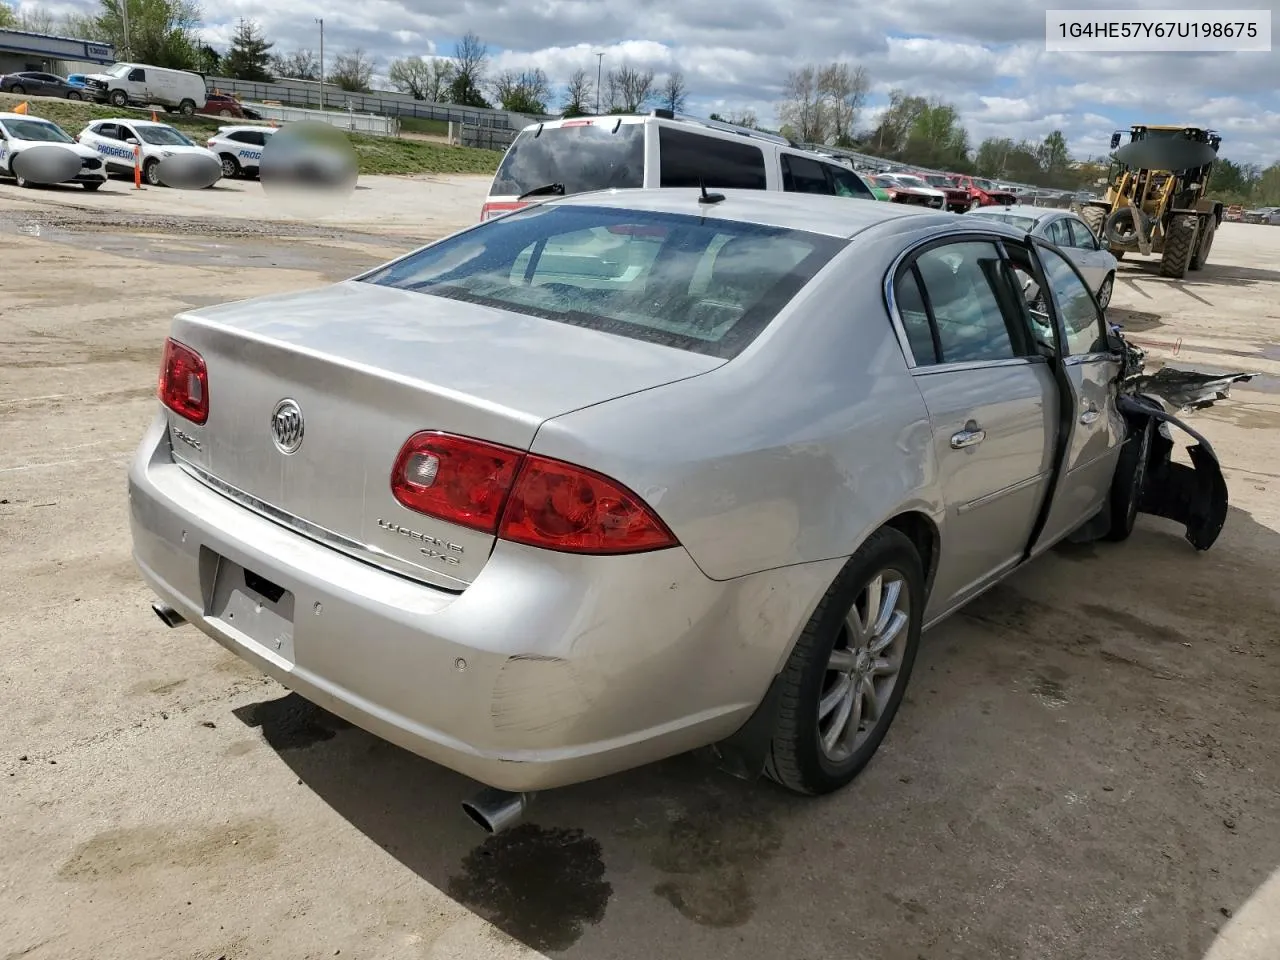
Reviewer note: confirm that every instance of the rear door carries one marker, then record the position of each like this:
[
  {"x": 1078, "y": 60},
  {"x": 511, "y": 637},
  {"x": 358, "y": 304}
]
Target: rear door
[
  {"x": 992, "y": 401},
  {"x": 1094, "y": 262},
  {"x": 804, "y": 175},
  {"x": 1097, "y": 428}
]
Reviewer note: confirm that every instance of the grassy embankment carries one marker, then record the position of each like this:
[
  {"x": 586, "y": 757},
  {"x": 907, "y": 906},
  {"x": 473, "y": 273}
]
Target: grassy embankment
[{"x": 378, "y": 155}]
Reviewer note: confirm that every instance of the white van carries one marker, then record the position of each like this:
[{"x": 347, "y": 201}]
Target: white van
[
  {"x": 660, "y": 149},
  {"x": 143, "y": 85}
]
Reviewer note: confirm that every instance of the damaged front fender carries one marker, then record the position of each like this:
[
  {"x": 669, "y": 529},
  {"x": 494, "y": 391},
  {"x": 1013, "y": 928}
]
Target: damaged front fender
[{"x": 1196, "y": 495}]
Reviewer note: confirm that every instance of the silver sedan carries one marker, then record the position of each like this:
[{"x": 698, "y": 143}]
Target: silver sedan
[
  {"x": 1069, "y": 234},
  {"x": 630, "y": 473}
]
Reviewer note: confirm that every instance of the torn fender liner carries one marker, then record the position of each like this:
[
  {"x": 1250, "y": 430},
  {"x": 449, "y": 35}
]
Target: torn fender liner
[
  {"x": 1188, "y": 389},
  {"x": 1194, "y": 496}
]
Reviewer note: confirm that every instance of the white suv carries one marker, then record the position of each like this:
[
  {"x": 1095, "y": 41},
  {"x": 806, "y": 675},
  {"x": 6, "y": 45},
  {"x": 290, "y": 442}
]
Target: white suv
[
  {"x": 239, "y": 148},
  {"x": 661, "y": 149}
]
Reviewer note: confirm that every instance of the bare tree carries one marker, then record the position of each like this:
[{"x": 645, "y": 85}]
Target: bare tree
[
  {"x": 744, "y": 118},
  {"x": 470, "y": 61},
  {"x": 578, "y": 93},
  {"x": 422, "y": 78},
  {"x": 352, "y": 72},
  {"x": 299, "y": 65},
  {"x": 844, "y": 93},
  {"x": 802, "y": 108},
  {"x": 630, "y": 88},
  {"x": 525, "y": 91},
  {"x": 674, "y": 92},
  {"x": 37, "y": 20}
]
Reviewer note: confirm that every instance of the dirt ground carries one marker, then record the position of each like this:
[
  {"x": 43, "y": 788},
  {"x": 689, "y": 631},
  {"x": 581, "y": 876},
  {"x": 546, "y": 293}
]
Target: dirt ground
[{"x": 1085, "y": 765}]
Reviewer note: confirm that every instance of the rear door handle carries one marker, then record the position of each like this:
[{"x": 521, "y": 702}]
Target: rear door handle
[{"x": 968, "y": 437}]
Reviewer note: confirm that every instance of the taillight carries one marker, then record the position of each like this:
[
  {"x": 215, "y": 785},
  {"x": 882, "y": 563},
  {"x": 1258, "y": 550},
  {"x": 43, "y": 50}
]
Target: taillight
[
  {"x": 184, "y": 382},
  {"x": 495, "y": 209},
  {"x": 524, "y": 498}
]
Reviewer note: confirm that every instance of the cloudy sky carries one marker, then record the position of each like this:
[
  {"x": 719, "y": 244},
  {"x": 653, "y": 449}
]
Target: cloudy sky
[{"x": 987, "y": 58}]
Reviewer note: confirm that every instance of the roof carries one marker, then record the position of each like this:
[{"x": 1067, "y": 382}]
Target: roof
[
  {"x": 24, "y": 116},
  {"x": 237, "y": 127},
  {"x": 834, "y": 216},
  {"x": 1024, "y": 210},
  {"x": 132, "y": 121}
]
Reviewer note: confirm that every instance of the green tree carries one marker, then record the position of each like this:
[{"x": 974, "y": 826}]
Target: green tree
[
  {"x": 470, "y": 60},
  {"x": 7, "y": 17},
  {"x": 937, "y": 138},
  {"x": 422, "y": 78},
  {"x": 249, "y": 57},
  {"x": 161, "y": 32},
  {"x": 352, "y": 72},
  {"x": 524, "y": 92},
  {"x": 208, "y": 61},
  {"x": 1054, "y": 159}
]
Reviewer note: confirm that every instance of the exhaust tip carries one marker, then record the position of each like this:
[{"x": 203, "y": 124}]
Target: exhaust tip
[
  {"x": 496, "y": 810},
  {"x": 168, "y": 616}
]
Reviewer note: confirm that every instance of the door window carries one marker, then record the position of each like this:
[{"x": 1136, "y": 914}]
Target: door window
[
  {"x": 692, "y": 159},
  {"x": 802, "y": 175},
  {"x": 138, "y": 75},
  {"x": 1059, "y": 234},
  {"x": 107, "y": 131},
  {"x": 1081, "y": 235},
  {"x": 1076, "y": 306},
  {"x": 915, "y": 317},
  {"x": 964, "y": 285},
  {"x": 847, "y": 183}
]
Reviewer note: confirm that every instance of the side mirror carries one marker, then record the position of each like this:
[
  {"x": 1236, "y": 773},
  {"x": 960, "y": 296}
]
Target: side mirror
[
  {"x": 1115, "y": 140},
  {"x": 1104, "y": 243},
  {"x": 132, "y": 141}
]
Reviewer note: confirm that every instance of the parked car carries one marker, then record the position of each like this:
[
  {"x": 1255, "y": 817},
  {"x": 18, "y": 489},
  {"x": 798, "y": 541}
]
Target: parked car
[
  {"x": 39, "y": 85},
  {"x": 1234, "y": 213},
  {"x": 983, "y": 192},
  {"x": 225, "y": 105},
  {"x": 20, "y": 132},
  {"x": 957, "y": 198},
  {"x": 116, "y": 138},
  {"x": 1269, "y": 215},
  {"x": 461, "y": 501},
  {"x": 661, "y": 149},
  {"x": 239, "y": 149},
  {"x": 901, "y": 191},
  {"x": 143, "y": 85},
  {"x": 1071, "y": 235}
]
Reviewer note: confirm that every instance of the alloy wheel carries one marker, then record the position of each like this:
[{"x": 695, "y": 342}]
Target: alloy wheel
[{"x": 864, "y": 666}]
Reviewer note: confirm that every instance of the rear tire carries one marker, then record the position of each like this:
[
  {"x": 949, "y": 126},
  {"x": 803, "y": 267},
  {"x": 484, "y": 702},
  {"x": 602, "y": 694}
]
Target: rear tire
[
  {"x": 92, "y": 185},
  {"x": 230, "y": 166},
  {"x": 18, "y": 89},
  {"x": 187, "y": 108},
  {"x": 814, "y": 751},
  {"x": 1201, "y": 256},
  {"x": 1179, "y": 244},
  {"x": 73, "y": 95}
]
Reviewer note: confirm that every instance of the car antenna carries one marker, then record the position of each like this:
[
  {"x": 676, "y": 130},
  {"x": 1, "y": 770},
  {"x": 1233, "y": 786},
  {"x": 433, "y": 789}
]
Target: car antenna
[{"x": 708, "y": 197}]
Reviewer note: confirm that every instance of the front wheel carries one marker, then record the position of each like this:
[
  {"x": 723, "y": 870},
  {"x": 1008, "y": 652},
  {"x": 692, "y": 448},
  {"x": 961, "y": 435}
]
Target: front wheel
[
  {"x": 845, "y": 679},
  {"x": 92, "y": 185},
  {"x": 1105, "y": 291},
  {"x": 119, "y": 98},
  {"x": 151, "y": 172}
]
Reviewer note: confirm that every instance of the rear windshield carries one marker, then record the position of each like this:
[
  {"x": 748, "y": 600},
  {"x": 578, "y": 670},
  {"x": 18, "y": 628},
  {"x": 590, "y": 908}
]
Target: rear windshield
[
  {"x": 590, "y": 156},
  {"x": 700, "y": 284},
  {"x": 1018, "y": 223}
]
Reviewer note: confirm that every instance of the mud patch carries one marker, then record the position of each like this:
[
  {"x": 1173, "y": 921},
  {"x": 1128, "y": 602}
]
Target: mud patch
[
  {"x": 1049, "y": 690},
  {"x": 541, "y": 886},
  {"x": 1135, "y": 625},
  {"x": 710, "y": 856},
  {"x": 291, "y": 722},
  {"x": 156, "y": 687},
  {"x": 127, "y": 851}
]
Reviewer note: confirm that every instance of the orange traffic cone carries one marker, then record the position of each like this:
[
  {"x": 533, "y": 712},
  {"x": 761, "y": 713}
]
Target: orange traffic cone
[
  {"x": 154, "y": 118},
  {"x": 21, "y": 108},
  {"x": 137, "y": 167}
]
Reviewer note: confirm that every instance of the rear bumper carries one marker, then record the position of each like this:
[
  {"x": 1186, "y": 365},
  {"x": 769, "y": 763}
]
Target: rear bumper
[{"x": 549, "y": 669}]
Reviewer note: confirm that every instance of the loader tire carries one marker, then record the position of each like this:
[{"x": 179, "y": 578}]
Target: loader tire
[
  {"x": 1094, "y": 217},
  {"x": 1208, "y": 228},
  {"x": 1123, "y": 227},
  {"x": 1179, "y": 245}
]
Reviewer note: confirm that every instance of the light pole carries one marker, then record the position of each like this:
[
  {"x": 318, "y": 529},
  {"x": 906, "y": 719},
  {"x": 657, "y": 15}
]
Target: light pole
[
  {"x": 320, "y": 21},
  {"x": 599, "y": 67},
  {"x": 124, "y": 26}
]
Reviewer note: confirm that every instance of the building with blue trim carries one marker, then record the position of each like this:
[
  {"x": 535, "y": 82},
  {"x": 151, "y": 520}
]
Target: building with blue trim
[{"x": 21, "y": 51}]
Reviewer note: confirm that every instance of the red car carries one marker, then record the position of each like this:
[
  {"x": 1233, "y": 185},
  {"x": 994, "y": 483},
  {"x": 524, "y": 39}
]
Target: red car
[
  {"x": 958, "y": 199},
  {"x": 224, "y": 105},
  {"x": 982, "y": 192},
  {"x": 900, "y": 192}
]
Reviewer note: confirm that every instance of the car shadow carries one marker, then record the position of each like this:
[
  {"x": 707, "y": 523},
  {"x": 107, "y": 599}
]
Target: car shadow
[{"x": 1067, "y": 748}]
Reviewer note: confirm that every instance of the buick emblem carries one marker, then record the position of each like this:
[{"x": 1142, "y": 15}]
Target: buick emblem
[{"x": 286, "y": 426}]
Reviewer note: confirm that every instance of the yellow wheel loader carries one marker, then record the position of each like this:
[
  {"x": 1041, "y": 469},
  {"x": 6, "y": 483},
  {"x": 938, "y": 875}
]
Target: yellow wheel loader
[{"x": 1155, "y": 203}]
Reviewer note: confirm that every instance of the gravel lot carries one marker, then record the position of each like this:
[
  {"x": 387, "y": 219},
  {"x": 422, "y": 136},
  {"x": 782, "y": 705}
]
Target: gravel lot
[{"x": 1085, "y": 765}]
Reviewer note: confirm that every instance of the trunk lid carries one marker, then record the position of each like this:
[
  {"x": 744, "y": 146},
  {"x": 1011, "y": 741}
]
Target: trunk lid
[{"x": 368, "y": 366}]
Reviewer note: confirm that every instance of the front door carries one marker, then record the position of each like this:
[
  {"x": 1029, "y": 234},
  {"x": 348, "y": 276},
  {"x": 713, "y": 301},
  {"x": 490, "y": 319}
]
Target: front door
[
  {"x": 992, "y": 403},
  {"x": 1097, "y": 428}
]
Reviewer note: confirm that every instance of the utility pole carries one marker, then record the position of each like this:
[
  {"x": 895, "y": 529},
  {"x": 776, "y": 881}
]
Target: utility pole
[
  {"x": 599, "y": 67},
  {"x": 124, "y": 25},
  {"x": 320, "y": 21}
]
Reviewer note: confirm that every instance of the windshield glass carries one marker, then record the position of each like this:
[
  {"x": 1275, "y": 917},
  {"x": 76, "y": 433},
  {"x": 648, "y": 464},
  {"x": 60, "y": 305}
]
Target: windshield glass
[
  {"x": 912, "y": 181},
  {"x": 36, "y": 130},
  {"x": 981, "y": 184},
  {"x": 588, "y": 157},
  {"x": 163, "y": 136},
  {"x": 1020, "y": 223},
  {"x": 119, "y": 70},
  {"x": 704, "y": 285},
  {"x": 938, "y": 180}
]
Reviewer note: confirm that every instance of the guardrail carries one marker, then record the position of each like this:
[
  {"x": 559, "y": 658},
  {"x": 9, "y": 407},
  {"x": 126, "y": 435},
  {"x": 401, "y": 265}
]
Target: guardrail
[
  {"x": 366, "y": 123},
  {"x": 308, "y": 93}
]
